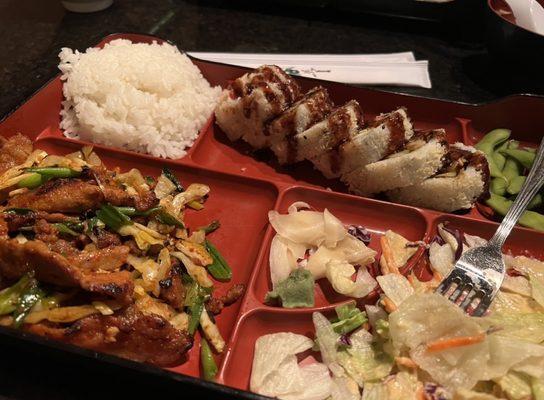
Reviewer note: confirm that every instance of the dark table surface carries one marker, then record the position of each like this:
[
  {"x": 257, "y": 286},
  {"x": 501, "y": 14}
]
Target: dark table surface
[{"x": 32, "y": 33}]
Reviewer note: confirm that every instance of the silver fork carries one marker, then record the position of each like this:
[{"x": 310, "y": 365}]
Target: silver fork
[{"x": 480, "y": 270}]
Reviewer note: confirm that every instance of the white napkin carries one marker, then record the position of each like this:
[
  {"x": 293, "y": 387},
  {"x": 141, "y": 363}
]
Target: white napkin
[{"x": 399, "y": 69}]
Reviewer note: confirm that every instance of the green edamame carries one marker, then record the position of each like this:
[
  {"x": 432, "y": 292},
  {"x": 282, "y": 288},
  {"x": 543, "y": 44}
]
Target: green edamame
[
  {"x": 525, "y": 157},
  {"x": 500, "y": 159},
  {"x": 511, "y": 169},
  {"x": 536, "y": 202},
  {"x": 487, "y": 145},
  {"x": 514, "y": 187},
  {"x": 530, "y": 219},
  {"x": 498, "y": 186}
]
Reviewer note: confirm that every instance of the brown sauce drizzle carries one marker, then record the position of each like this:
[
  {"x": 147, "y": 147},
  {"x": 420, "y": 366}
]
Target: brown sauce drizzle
[
  {"x": 263, "y": 78},
  {"x": 319, "y": 105},
  {"x": 458, "y": 159},
  {"x": 339, "y": 128}
]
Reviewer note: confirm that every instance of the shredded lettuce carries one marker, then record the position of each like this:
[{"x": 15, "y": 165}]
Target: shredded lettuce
[
  {"x": 277, "y": 373},
  {"x": 515, "y": 385},
  {"x": 365, "y": 360},
  {"x": 396, "y": 287}
]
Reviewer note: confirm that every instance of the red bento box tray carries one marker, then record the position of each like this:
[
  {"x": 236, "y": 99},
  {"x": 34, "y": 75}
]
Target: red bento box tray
[{"x": 245, "y": 186}]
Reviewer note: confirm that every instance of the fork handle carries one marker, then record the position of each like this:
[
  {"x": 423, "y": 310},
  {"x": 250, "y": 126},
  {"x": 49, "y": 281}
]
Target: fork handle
[{"x": 532, "y": 185}]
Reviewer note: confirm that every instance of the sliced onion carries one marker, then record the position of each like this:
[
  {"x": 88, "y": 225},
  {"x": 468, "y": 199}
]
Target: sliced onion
[
  {"x": 458, "y": 235},
  {"x": 298, "y": 205}
]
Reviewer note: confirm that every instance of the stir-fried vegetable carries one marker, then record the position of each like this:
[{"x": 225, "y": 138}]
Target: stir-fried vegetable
[
  {"x": 112, "y": 217},
  {"x": 20, "y": 298},
  {"x": 212, "y": 227},
  {"x": 10, "y": 296},
  {"x": 31, "y": 181},
  {"x": 219, "y": 269},
  {"x": 168, "y": 174},
  {"x": 194, "y": 301},
  {"x": 55, "y": 172},
  {"x": 209, "y": 367}
]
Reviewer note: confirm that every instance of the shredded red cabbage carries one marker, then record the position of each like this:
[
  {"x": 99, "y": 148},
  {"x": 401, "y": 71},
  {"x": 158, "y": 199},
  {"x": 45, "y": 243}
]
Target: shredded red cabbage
[
  {"x": 360, "y": 232},
  {"x": 345, "y": 340},
  {"x": 435, "y": 392}
]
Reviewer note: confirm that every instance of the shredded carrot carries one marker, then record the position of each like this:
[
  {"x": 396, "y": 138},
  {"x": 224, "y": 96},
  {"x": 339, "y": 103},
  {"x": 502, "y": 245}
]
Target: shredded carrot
[
  {"x": 437, "y": 276},
  {"x": 444, "y": 344},
  {"x": 388, "y": 258},
  {"x": 388, "y": 304},
  {"x": 420, "y": 393},
  {"x": 406, "y": 362}
]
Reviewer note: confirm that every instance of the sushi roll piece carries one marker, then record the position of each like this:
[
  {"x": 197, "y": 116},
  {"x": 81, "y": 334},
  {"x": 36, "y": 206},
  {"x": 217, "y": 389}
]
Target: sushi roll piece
[
  {"x": 319, "y": 143},
  {"x": 422, "y": 157},
  {"x": 387, "y": 134},
  {"x": 312, "y": 108},
  {"x": 462, "y": 181},
  {"x": 252, "y": 100}
]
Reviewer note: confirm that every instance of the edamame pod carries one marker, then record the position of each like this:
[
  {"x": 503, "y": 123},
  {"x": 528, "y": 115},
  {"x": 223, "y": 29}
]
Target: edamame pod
[
  {"x": 536, "y": 202},
  {"x": 525, "y": 157},
  {"x": 500, "y": 159},
  {"x": 498, "y": 186},
  {"x": 487, "y": 145},
  {"x": 529, "y": 219},
  {"x": 514, "y": 187},
  {"x": 512, "y": 169}
]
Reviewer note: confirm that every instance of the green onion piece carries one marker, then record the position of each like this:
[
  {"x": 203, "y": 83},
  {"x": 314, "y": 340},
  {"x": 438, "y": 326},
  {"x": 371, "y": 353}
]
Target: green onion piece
[
  {"x": 219, "y": 269},
  {"x": 26, "y": 301},
  {"x": 10, "y": 296},
  {"x": 31, "y": 181},
  {"x": 195, "y": 310},
  {"x": 167, "y": 173},
  {"x": 55, "y": 172},
  {"x": 209, "y": 367},
  {"x": 168, "y": 219},
  {"x": 149, "y": 180},
  {"x": 195, "y": 205},
  {"x": 132, "y": 212},
  {"x": 91, "y": 224},
  {"x": 18, "y": 211},
  {"x": 213, "y": 226},
  {"x": 112, "y": 217},
  {"x": 65, "y": 229}
]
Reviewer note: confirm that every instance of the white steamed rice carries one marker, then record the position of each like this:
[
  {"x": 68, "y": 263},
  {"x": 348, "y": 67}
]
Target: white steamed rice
[{"x": 148, "y": 98}]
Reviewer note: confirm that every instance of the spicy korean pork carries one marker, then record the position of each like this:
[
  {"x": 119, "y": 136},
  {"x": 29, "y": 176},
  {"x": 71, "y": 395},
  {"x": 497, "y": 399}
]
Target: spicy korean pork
[{"x": 103, "y": 259}]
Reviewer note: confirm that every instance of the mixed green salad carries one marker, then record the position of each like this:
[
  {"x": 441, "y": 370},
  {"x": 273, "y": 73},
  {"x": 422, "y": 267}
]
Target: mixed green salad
[{"x": 415, "y": 344}]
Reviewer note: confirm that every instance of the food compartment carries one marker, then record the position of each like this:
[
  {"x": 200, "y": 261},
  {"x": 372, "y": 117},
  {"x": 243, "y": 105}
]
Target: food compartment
[
  {"x": 240, "y": 204},
  {"x": 376, "y": 216},
  {"x": 522, "y": 241},
  {"x": 236, "y": 368}
]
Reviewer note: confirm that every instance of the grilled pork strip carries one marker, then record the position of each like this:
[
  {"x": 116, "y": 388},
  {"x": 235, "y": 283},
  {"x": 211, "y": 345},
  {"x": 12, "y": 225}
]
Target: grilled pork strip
[
  {"x": 60, "y": 196},
  {"x": 14, "y": 151},
  {"x": 17, "y": 259},
  {"x": 128, "y": 333}
]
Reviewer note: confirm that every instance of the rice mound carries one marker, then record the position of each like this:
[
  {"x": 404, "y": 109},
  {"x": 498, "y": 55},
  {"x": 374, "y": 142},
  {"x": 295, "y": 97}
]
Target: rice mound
[{"x": 148, "y": 98}]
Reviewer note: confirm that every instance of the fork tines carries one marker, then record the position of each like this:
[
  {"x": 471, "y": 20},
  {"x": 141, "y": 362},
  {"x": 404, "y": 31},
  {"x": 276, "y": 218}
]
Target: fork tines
[{"x": 461, "y": 289}]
